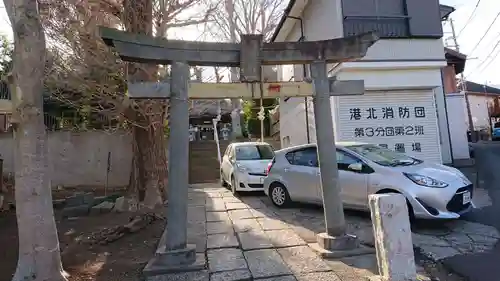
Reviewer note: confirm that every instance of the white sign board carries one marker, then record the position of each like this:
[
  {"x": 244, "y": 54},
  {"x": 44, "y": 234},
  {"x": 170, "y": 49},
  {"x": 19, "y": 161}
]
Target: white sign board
[{"x": 392, "y": 121}]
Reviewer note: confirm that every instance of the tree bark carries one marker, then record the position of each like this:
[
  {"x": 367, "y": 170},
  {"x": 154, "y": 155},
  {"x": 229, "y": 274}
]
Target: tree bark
[
  {"x": 39, "y": 253},
  {"x": 148, "y": 177}
]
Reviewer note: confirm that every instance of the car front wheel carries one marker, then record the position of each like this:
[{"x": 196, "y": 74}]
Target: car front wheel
[{"x": 279, "y": 195}]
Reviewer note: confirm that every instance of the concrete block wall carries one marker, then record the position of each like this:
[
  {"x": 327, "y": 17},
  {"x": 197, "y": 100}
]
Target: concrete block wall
[{"x": 80, "y": 158}]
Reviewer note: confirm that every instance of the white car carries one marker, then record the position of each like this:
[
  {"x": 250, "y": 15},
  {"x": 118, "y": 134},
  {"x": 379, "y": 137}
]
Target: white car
[{"x": 244, "y": 166}]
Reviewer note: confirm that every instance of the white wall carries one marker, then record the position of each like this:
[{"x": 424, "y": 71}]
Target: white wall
[
  {"x": 457, "y": 116},
  {"x": 479, "y": 111},
  {"x": 80, "y": 159}
]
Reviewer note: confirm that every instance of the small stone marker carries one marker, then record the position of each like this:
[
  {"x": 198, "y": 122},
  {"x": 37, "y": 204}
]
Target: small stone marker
[
  {"x": 104, "y": 207},
  {"x": 392, "y": 232}
]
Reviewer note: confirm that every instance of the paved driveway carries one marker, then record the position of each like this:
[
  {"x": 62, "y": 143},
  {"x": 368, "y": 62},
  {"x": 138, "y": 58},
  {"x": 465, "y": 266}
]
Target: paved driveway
[
  {"x": 483, "y": 266},
  {"x": 246, "y": 238}
]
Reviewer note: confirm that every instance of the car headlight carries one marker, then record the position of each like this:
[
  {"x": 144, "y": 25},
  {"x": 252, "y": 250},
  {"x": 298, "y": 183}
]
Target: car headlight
[
  {"x": 241, "y": 168},
  {"x": 425, "y": 181},
  {"x": 464, "y": 178}
]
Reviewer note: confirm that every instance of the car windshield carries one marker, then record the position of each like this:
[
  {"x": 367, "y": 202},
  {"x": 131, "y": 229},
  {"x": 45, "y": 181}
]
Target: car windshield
[
  {"x": 254, "y": 152},
  {"x": 384, "y": 156}
]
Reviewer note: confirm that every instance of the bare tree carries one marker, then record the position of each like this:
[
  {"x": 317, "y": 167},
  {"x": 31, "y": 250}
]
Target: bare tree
[
  {"x": 237, "y": 17},
  {"x": 94, "y": 71},
  {"x": 39, "y": 254}
]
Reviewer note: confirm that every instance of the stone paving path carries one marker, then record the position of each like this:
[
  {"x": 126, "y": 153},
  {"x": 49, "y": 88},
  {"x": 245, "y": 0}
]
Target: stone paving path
[{"x": 246, "y": 238}]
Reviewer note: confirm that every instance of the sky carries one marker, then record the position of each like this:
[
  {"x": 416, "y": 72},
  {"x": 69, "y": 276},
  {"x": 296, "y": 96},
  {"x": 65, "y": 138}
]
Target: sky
[{"x": 483, "y": 60}]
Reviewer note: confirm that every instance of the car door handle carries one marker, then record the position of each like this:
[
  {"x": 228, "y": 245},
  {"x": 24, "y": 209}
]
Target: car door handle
[{"x": 286, "y": 170}]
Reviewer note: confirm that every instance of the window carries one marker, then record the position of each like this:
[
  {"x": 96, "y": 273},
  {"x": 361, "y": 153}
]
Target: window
[
  {"x": 393, "y": 18},
  {"x": 303, "y": 157},
  {"x": 344, "y": 160},
  {"x": 384, "y": 156},
  {"x": 497, "y": 125},
  {"x": 254, "y": 152}
]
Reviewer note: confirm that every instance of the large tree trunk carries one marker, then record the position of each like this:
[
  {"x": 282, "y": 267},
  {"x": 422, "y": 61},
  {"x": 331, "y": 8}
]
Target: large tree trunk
[
  {"x": 39, "y": 254},
  {"x": 148, "y": 177}
]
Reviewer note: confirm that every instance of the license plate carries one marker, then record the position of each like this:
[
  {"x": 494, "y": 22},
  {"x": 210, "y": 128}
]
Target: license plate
[
  {"x": 466, "y": 197},
  {"x": 261, "y": 180}
]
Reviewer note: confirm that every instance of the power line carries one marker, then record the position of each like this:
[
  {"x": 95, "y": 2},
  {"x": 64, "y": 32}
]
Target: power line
[
  {"x": 470, "y": 18},
  {"x": 485, "y": 33},
  {"x": 492, "y": 58},
  {"x": 488, "y": 56}
]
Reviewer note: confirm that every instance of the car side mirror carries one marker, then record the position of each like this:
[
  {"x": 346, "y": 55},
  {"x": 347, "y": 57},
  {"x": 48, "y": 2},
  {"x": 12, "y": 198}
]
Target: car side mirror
[{"x": 356, "y": 167}]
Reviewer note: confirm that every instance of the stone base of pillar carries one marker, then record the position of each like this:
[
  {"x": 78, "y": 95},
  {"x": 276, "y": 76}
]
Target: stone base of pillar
[
  {"x": 341, "y": 246},
  {"x": 183, "y": 260}
]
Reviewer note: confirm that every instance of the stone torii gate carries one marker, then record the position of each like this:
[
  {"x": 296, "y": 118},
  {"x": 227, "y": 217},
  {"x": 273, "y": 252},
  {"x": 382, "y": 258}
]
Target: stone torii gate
[{"x": 174, "y": 254}]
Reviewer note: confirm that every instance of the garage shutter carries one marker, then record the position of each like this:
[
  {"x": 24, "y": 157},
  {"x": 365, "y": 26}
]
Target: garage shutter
[{"x": 403, "y": 121}]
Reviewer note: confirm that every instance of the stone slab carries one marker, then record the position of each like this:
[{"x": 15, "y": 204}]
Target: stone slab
[
  {"x": 197, "y": 213},
  {"x": 77, "y": 211},
  {"x": 272, "y": 224},
  {"x": 217, "y": 216},
  {"x": 102, "y": 208},
  {"x": 216, "y": 207},
  {"x": 264, "y": 213},
  {"x": 236, "y": 206},
  {"x": 253, "y": 240},
  {"x": 233, "y": 275},
  {"x": 218, "y": 241},
  {"x": 247, "y": 225},
  {"x": 231, "y": 199},
  {"x": 235, "y": 215},
  {"x": 285, "y": 238},
  {"x": 266, "y": 263},
  {"x": 80, "y": 198},
  {"x": 361, "y": 250},
  {"x": 323, "y": 276},
  {"x": 219, "y": 227},
  {"x": 225, "y": 260},
  {"x": 184, "y": 276},
  {"x": 302, "y": 259}
]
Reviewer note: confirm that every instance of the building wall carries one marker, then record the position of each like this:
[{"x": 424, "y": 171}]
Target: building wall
[
  {"x": 449, "y": 80},
  {"x": 80, "y": 159},
  {"x": 457, "y": 115},
  {"x": 389, "y": 64},
  {"x": 479, "y": 111}
]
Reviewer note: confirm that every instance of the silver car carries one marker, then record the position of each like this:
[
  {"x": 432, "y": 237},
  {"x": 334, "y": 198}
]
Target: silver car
[{"x": 433, "y": 191}]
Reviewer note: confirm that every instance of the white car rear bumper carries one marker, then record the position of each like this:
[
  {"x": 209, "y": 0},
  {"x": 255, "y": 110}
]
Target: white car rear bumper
[{"x": 249, "y": 182}]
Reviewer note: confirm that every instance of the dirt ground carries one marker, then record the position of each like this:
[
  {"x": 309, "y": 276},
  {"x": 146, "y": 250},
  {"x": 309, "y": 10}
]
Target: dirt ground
[{"x": 121, "y": 260}]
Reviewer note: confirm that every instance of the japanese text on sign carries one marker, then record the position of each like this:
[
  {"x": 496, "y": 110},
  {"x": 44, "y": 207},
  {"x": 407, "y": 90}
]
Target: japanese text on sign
[
  {"x": 400, "y": 147},
  {"x": 402, "y": 112},
  {"x": 389, "y": 131}
]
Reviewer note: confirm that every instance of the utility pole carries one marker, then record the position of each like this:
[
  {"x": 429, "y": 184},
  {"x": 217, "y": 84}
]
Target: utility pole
[
  {"x": 464, "y": 87},
  {"x": 490, "y": 131}
]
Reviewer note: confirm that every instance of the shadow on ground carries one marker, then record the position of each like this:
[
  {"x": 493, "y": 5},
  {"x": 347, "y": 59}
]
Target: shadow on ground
[{"x": 121, "y": 260}]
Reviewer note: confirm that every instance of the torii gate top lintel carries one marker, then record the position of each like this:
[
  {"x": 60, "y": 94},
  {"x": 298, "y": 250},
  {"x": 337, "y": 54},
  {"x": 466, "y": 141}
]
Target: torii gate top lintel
[{"x": 148, "y": 49}]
